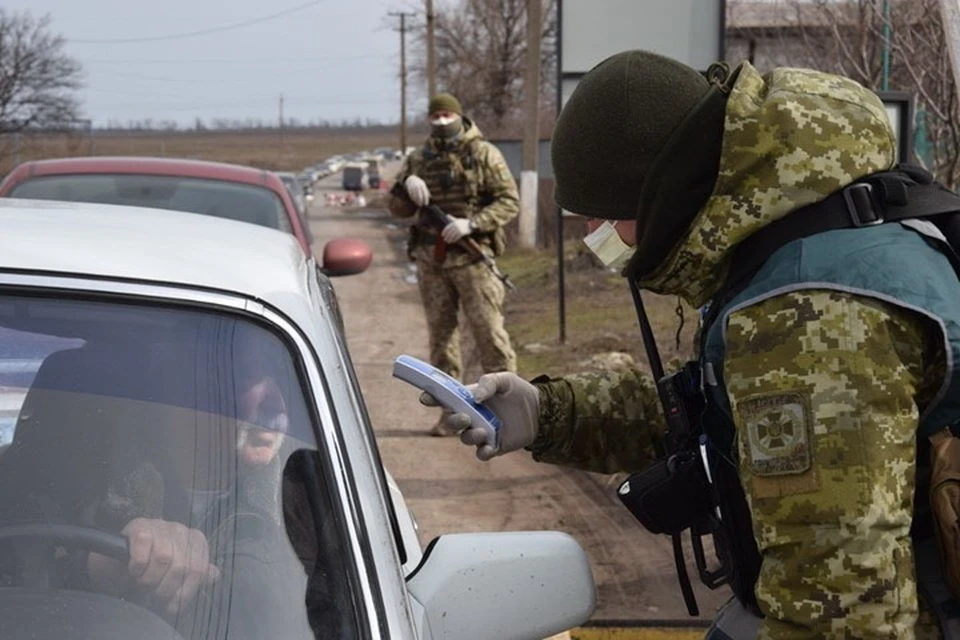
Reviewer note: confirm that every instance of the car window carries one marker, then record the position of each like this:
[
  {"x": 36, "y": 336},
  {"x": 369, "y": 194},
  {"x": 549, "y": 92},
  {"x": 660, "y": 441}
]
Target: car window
[
  {"x": 235, "y": 201},
  {"x": 193, "y": 426}
]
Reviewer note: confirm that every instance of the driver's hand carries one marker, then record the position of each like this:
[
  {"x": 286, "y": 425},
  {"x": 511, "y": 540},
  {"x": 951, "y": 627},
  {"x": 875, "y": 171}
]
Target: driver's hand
[{"x": 167, "y": 560}]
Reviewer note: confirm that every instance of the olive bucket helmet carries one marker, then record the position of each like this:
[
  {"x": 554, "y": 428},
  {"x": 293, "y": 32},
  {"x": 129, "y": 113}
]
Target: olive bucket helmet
[{"x": 640, "y": 138}]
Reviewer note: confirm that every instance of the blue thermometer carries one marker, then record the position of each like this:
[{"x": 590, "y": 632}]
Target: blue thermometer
[{"x": 449, "y": 393}]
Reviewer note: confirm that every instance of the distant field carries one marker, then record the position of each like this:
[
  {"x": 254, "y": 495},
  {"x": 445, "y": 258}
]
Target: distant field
[{"x": 265, "y": 149}]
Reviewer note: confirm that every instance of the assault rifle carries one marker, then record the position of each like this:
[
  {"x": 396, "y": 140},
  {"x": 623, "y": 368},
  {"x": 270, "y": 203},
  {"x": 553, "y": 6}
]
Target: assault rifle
[{"x": 439, "y": 219}]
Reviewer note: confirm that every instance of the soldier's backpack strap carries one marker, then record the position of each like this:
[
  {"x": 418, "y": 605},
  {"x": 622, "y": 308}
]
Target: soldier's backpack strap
[
  {"x": 906, "y": 191},
  {"x": 427, "y": 152},
  {"x": 470, "y": 159}
]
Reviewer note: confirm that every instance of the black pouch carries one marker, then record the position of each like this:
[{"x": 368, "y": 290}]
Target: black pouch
[{"x": 671, "y": 496}]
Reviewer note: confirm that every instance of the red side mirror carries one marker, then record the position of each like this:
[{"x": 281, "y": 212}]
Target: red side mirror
[{"x": 345, "y": 257}]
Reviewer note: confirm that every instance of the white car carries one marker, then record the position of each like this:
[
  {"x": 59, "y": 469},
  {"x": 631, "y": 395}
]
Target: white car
[{"x": 191, "y": 457}]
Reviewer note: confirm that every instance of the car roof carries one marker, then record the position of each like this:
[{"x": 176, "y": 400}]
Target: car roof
[
  {"x": 152, "y": 245},
  {"x": 159, "y": 166},
  {"x": 180, "y": 167}
]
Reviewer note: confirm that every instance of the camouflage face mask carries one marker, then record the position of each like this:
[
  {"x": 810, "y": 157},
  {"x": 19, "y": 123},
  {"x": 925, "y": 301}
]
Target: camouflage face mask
[{"x": 446, "y": 128}]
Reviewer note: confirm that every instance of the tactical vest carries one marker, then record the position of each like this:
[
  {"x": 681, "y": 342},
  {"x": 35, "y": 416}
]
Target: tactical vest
[
  {"x": 456, "y": 181},
  {"x": 452, "y": 175},
  {"x": 799, "y": 253}
]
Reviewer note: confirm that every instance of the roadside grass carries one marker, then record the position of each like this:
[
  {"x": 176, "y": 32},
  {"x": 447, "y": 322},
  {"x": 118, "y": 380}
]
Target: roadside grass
[{"x": 600, "y": 317}]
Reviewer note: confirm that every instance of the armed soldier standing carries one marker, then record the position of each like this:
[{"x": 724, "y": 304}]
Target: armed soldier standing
[
  {"x": 823, "y": 368},
  {"x": 467, "y": 177}
]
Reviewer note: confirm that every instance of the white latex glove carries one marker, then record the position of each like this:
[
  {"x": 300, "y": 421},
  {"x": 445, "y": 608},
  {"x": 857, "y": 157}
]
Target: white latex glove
[
  {"x": 515, "y": 401},
  {"x": 459, "y": 228},
  {"x": 417, "y": 190}
]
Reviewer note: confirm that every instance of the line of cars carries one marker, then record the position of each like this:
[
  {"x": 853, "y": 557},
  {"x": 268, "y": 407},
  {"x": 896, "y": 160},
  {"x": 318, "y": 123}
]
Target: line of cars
[
  {"x": 360, "y": 170},
  {"x": 164, "y": 365}
]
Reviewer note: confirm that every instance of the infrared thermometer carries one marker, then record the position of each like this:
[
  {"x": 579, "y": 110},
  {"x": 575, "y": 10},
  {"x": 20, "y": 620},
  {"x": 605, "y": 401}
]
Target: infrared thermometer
[{"x": 449, "y": 393}]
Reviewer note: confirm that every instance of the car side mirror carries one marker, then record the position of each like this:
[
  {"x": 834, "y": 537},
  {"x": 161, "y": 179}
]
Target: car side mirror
[
  {"x": 345, "y": 257},
  {"x": 518, "y": 585}
]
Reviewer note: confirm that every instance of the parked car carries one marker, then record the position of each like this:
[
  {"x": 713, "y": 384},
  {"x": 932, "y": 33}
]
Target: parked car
[
  {"x": 308, "y": 176},
  {"x": 373, "y": 172},
  {"x": 295, "y": 189},
  {"x": 159, "y": 379},
  {"x": 212, "y": 188},
  {"x": 354, "y": 176}
]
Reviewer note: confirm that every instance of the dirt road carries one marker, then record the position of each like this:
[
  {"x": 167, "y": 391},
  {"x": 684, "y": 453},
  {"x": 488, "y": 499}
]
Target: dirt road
[{"x": 446, "y": 487}]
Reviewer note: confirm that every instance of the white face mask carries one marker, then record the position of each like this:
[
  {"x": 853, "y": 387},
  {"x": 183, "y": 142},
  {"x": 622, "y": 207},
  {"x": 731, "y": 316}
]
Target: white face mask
[
  {"x": 443, "y": 121},
  {"x": 605, "y": 243}
]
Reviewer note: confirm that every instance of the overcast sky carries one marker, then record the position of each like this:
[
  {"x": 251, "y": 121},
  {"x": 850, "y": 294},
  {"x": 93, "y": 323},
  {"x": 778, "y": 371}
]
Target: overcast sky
[{"x": 332, "y": 59}]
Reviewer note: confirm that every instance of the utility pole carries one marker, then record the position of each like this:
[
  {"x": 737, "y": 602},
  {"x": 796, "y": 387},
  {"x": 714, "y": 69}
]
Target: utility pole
[
  {"x": 529, "y": 178},
  {"x": 431, "y": 51},
  {"x": 403, "y": 75},
  {"x": 281, "y": 123}
]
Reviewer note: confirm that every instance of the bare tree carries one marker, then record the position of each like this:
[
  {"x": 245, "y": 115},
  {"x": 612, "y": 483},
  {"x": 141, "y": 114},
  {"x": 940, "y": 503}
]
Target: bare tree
[
  {"x": 852, "y": 38},
  {"x": 480, "y": 56},
  {"x": 38, "y": 80}
]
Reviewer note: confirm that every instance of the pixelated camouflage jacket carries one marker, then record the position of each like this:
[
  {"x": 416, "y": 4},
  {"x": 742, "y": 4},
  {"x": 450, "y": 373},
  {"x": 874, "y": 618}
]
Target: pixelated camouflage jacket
[
  {"x": 791, "y": 138},
  {"x": 467, "y": 178}
]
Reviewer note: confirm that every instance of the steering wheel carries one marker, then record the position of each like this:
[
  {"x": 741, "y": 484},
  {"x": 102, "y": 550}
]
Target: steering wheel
[
  {"x": 108, "y": 544},
  {"x": 58, "y": 612}
]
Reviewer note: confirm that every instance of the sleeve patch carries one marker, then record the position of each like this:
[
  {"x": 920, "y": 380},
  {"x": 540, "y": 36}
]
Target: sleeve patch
[{"x": 777, "y": 429}]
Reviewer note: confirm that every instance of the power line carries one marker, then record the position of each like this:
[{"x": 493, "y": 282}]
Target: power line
[
  {"x": 257, "y": 60},
  {"x": 257, "y": 101},
  {"x": 201, "y": 32},
  {"x": 297, "y": 70}
]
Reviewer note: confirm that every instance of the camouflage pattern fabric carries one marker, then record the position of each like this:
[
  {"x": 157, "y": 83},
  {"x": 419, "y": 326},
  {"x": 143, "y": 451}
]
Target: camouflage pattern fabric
[
  {"x": 480, "y": 294},
  {"x": 826, "y": 388},
  {"x": 467, "y": 178},
  {"x": 791, "y": 138},
  {"x": 826, "y": 391},
  {"x": 602, "y": 422}
]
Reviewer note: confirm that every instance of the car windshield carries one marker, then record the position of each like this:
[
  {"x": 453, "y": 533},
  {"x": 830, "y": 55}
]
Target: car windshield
[
  {"x": 232, "y": 200},
  {"x": 152, "y": 433}
]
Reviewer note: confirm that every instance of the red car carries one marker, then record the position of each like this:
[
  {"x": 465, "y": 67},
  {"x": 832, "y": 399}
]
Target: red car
[{"x": 211, "y": 188}]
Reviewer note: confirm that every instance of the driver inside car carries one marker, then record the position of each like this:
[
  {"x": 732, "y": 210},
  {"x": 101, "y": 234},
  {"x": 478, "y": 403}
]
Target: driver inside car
[
  {"x": 184, "y": 465},
  {"x": 171, "y": 561}
]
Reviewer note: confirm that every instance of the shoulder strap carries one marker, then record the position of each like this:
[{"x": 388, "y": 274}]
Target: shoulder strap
[
  {"x": 469, "y": 153},
  {"x": 427, "y": 152},
  {"x": 906, "y": 191}
]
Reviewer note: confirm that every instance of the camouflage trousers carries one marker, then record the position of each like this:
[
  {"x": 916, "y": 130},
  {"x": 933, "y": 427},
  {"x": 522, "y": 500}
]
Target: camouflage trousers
[{"x": 480, "y": 294}]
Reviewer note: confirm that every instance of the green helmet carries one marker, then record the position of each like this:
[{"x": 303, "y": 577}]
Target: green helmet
[{"x": 640, "y": 138}]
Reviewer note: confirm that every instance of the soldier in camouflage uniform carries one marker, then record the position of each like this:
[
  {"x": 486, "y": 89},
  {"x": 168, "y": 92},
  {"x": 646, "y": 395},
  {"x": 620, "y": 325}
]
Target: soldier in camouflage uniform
[
  {"x": 823, "y": 370},
  {"x": 467, "y": 177}
]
